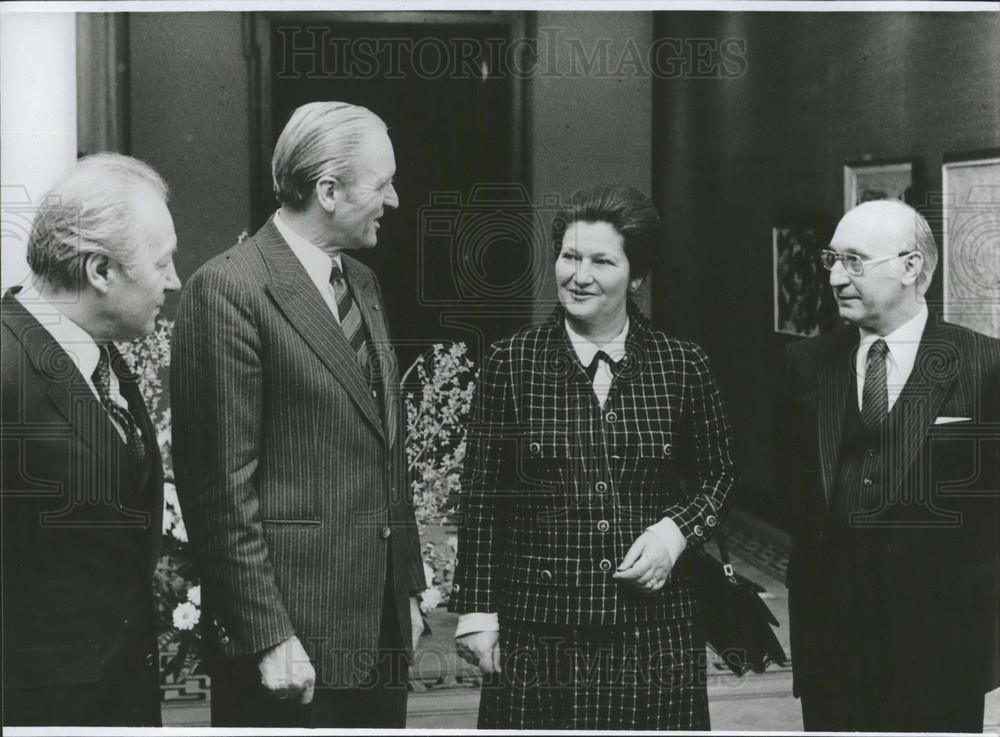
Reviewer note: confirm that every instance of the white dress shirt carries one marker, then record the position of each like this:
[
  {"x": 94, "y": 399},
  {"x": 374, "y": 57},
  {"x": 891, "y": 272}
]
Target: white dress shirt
[
  {"x": 903, "y": 343},
  {"x": 317, "y": 263},
  {"x": 666, "y": 529},
  {"x": 74, "y": 340}
]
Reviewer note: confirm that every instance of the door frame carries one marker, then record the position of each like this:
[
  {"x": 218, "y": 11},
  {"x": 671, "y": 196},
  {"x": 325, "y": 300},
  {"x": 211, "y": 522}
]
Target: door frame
[{"x": 257, "y": 43}]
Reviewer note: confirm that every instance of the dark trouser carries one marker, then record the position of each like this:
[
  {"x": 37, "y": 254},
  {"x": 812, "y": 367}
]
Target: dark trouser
[
  {"x": 887, "y": 673},
  {"x": 648, "y": 675},
  {"x": 239, "y": 700},
  {"x": 120, "y": 689}
]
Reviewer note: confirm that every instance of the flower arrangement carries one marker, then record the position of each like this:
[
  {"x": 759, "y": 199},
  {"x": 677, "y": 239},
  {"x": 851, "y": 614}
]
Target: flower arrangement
[{"x": 435, "y": 451}]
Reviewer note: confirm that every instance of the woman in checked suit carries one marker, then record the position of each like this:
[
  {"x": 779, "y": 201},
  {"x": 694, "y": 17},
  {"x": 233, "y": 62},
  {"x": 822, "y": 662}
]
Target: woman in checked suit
[{"x": 598, "y": 450}]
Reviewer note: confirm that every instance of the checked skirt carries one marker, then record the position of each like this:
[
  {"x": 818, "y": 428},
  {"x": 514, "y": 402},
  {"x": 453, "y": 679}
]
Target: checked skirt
[{"x": 649, "y": 675}]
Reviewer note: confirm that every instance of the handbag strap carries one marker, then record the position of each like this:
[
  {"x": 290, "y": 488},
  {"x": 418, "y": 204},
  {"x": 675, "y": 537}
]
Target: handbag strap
[{"x": 727, "y": 566}]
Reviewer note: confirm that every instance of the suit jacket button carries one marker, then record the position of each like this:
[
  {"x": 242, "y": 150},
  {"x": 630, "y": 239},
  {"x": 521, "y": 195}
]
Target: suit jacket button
[
  {"x": 867, "y": 482},
  {"x": 456, "y": 588},
  {"x": 535, "y": 449},
  {"x": 711, "y": 521},
  {"x": 611, "y": 417},
  {"x": 667, "y": 449},
  {"x": 386, "y": 531},
  {"x": 606, "y": 565},
  {"x": 600, "y": 487},
  {"x": 603, "y": 525},
  {"x": 699, "y": 530},
  {"x": 224, "y": 640},
  {"x": 546, "y": 576}
]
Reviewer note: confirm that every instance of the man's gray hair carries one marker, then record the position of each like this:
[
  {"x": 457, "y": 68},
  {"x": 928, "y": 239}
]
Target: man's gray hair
[
  {"x": 320, "y": 139},
  {"x": 91, "y": 211},
  {"x": 923, "y": 241}
]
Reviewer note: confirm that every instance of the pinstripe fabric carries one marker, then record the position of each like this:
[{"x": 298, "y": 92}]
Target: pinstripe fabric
[
  {"x": 645, "y": 676},
  {"x": 287, "y": 476},
  {"x": 570, "y": 485}
]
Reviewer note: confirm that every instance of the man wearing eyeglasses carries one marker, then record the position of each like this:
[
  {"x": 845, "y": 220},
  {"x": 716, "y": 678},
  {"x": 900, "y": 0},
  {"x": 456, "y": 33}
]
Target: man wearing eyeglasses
[{"x": 891, "y": 467}]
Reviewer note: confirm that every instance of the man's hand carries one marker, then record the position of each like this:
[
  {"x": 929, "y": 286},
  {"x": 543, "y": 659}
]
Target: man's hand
[
  {"x": 647, "y": 564},
  {"x": 480, "y": 648},
  {"x": 285, "y": 671},
  {"x": 416, "y": 620}
]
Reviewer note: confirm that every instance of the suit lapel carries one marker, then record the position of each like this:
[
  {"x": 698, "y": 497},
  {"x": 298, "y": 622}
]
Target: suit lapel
[
  {"x": 66, "y": 387},
  {"x": 373, "y": 314},
  {"x": 833, "y": 383},
  {"x": 128, "y": 385},
  {"x": 303, "y": 306},
  {"x": 935, "y": 370}
]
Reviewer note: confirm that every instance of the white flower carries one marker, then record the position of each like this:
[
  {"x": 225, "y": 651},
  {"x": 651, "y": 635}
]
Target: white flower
[
  {"x": 186, "y": 616},
  {"x": 168, "y": 519},
  {"x": 194, "y": 595},
  {"x": 170, "y": 495},
  {"x": 179, "y": 530},
  {"x": 429, "y": 599}
]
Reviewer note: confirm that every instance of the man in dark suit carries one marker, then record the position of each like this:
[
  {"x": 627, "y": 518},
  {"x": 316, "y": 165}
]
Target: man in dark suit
[
  {"x": 892, "y": 461},
  {"x": 82, "y": 481},
  {"x": 289, "y": 446}
]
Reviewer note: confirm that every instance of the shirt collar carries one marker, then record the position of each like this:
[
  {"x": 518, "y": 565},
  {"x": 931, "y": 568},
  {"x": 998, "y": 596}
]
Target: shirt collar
[
  {"x": 314, "y": 259},
  {"x": 586, "y": 349},
  {"x": 73, "y": 339},
  {"x": 903, "y": 342}
]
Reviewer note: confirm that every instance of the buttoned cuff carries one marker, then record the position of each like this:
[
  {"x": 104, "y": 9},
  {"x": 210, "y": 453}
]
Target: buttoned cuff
[
  {"x": 473, "y": 622},
  {"x": 670, "y": 535}
]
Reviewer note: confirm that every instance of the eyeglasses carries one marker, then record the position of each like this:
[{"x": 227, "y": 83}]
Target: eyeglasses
[{"x": 853, "y": 263}]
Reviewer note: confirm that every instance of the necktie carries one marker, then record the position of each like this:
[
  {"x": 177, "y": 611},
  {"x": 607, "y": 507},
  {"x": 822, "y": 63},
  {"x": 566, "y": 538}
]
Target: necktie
[
  {"x": 354, "y": 328},
  {"x": 121, "y": 416},
  {"x": 598, "y": 357},
  {"x": 350, "y": 316},
  {"x": 875, "y": 395}
]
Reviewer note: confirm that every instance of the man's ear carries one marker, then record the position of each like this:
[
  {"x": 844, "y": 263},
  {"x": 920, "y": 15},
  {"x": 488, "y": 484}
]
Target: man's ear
[
  {"x": 913, "y": 264},
  {"x": 95, "y": 271},
  {"x": 327, "y": 192},
  {"x": 634, "y": 284}
]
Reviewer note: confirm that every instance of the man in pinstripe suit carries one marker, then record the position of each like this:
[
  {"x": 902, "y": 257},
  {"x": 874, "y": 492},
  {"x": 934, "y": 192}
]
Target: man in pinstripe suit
[{"x": 289, "y": 447}]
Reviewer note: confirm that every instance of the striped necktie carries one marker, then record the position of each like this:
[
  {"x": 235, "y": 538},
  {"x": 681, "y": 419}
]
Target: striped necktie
[
  {"x": 875, "y": 394},
  {"x": 121, "y": 416},
  {"x": 350, "y": 318}
]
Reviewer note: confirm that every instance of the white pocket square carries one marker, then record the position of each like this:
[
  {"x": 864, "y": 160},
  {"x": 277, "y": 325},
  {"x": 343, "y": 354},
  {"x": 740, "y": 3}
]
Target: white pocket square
[{"x": 948, "y": 420}]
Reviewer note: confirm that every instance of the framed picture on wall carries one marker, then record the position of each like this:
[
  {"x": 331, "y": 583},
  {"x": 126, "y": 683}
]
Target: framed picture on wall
[
  {"x": 803, "y": 302},
  {"x": 970, "y": 240},
  {"x": 879, "y": 180}
]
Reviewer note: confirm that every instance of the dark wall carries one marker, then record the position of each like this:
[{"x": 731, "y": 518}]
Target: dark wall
[{"x": 732, "y": 155}]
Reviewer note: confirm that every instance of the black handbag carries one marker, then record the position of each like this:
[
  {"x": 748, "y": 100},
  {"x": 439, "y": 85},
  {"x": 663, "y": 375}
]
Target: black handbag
[{"x": 735, "y": 621}]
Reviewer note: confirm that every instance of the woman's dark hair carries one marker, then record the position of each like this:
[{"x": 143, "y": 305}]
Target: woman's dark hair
[{"x": 625, "y": 209}]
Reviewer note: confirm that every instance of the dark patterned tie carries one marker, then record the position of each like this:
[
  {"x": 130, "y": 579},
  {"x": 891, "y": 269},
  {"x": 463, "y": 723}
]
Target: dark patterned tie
[
  {"x": 120, "y": 415},
  {"x": 875, "y": 395}
]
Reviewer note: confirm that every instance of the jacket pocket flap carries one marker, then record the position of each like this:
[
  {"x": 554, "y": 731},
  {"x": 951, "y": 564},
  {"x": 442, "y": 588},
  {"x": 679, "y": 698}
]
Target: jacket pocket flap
[{"x": 544, "y": 571}]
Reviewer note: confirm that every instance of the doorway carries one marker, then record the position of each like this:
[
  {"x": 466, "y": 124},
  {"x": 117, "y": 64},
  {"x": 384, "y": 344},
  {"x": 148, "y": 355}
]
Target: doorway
[{"x": 454, "y": 112}]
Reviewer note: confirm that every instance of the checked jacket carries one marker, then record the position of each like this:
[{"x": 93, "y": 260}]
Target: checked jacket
[{"x": 556, "y": 488}]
